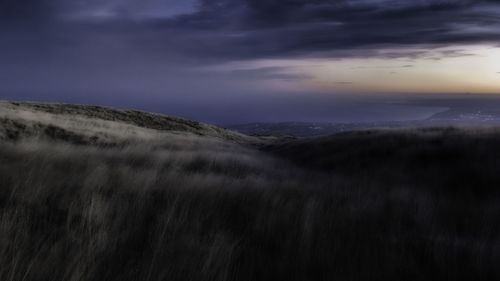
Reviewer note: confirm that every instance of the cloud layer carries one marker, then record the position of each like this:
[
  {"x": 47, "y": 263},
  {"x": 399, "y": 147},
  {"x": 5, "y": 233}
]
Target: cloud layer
[{"x": 249, "y": 29}]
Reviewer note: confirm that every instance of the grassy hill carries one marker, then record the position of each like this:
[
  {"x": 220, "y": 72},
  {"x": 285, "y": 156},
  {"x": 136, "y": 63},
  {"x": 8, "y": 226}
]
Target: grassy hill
[
  {"x": 438, "y": 158},
  {"x": 44, "y": 119},
  {"x": 93, "y": 193}
]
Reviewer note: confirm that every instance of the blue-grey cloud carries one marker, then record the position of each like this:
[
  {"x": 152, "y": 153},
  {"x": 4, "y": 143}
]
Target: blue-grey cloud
[
  {"x": 248, "y": 29},
  {"x": 273, "y": 73}
]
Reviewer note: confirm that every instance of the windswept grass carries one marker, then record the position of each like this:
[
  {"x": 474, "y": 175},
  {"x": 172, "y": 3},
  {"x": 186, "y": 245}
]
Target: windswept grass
[{"x": 89, "y": 199}]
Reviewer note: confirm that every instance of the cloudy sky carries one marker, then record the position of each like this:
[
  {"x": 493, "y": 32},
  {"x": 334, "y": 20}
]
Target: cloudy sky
[{"x": 232, "y": 61}]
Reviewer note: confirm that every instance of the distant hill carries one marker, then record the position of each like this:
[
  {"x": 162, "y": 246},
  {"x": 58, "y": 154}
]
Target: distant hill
[
  {"x": 483, "y": 111},
  {"x": 315, "y": 129}
]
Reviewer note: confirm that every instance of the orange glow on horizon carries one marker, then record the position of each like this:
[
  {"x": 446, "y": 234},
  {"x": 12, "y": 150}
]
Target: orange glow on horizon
[{"x": 473, "y": 70}]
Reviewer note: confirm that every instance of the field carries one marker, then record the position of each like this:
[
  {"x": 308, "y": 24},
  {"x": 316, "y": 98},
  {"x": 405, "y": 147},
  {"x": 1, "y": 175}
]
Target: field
[{"x": 92, "y": 193}]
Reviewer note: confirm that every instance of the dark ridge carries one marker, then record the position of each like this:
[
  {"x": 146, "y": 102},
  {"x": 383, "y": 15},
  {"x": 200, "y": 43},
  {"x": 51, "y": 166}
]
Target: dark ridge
[{"x": 443, "y": 158}]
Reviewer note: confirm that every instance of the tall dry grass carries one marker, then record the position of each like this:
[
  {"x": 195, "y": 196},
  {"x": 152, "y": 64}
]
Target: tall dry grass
[{"x": 89, "y": 199}]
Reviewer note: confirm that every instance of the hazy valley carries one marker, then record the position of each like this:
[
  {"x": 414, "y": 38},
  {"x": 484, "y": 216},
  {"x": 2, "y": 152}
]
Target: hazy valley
[{"x": 453, "y": 110}]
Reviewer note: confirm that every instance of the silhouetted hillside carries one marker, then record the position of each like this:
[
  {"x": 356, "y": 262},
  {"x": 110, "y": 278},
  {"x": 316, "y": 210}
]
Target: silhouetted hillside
[{"x": 445, "y": 158}]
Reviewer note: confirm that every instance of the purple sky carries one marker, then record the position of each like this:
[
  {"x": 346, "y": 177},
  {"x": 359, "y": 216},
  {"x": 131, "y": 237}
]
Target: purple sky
[{"x": 232, "y": 61}]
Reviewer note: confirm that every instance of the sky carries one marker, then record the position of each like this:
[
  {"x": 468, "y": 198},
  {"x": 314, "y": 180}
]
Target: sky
[{"x": 238, "y": 61}]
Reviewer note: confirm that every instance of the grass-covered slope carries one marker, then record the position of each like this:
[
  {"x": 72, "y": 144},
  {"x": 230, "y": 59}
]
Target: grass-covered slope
[
  {"x": 444, "y": 158},
  {"x": 53, "y": 120},
  {"x": 88, "y": 197}
]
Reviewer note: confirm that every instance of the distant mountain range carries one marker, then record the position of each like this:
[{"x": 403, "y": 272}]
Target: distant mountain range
[{"x": 458, "y": 115}]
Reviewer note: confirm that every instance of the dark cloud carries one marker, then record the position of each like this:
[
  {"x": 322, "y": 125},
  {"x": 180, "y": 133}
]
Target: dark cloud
[
  {"x": 249, "y": 29},
  {"x": 277, "y": 73},
  {"x": 26, "y": 12},
  {"x": 263, "y": 28}
]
